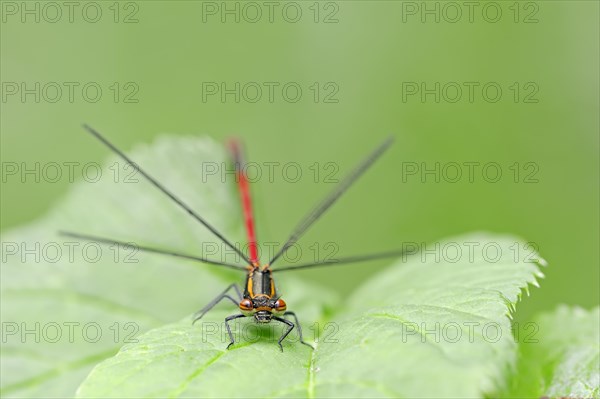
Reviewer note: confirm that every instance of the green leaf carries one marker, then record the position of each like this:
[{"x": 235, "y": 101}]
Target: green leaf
[
  {"x": 383, "y": 343},
  {"x": 394, "y": 337},
  {"x": 46, "y": 290},
  {"x": 560, "y": 355}
]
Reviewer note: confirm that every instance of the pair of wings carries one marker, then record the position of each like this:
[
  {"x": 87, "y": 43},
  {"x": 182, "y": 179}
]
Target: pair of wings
[{"x": 296, "y": 234}]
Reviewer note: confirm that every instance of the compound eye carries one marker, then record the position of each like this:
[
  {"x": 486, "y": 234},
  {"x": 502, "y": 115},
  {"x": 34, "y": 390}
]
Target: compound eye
[
  {"x": 246, "y": 304},
  {"x": 280, "y": 305}
]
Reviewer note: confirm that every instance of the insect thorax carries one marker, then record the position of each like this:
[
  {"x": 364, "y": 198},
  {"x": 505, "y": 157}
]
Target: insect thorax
[{"x": 259, "y": 283}]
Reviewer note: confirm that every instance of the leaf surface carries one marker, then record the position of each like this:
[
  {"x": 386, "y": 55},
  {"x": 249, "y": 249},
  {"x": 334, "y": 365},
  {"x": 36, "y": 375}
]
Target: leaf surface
[
  {"x": 422, "y": 328},
  {"x": 559, "y": 355},
  {"x": 68, "y": 304}
]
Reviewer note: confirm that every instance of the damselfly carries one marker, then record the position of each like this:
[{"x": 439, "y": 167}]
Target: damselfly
[{"x": 260, "y": 298}]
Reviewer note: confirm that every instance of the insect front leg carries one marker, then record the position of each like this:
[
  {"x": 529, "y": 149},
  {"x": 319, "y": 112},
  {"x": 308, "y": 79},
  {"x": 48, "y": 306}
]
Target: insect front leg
[
  {"x": 227, "y": 320},
  {"x": 199, "y": 314},
  {"x": 285, "y": 334},
  {"x": 299, "y": 328}
]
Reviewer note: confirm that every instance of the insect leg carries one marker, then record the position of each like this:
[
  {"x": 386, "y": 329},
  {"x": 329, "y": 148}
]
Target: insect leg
[
  {"x": 299, "y": 328},
  {"x": 227, "y": 320},
  {"x": 199, "y": 314},
  {"x": 285, "y": 334}
]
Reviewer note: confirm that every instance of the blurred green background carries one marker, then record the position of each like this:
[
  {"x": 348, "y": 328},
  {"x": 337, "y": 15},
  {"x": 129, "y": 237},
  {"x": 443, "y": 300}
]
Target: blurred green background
[{"x": 370, "y": 52}]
